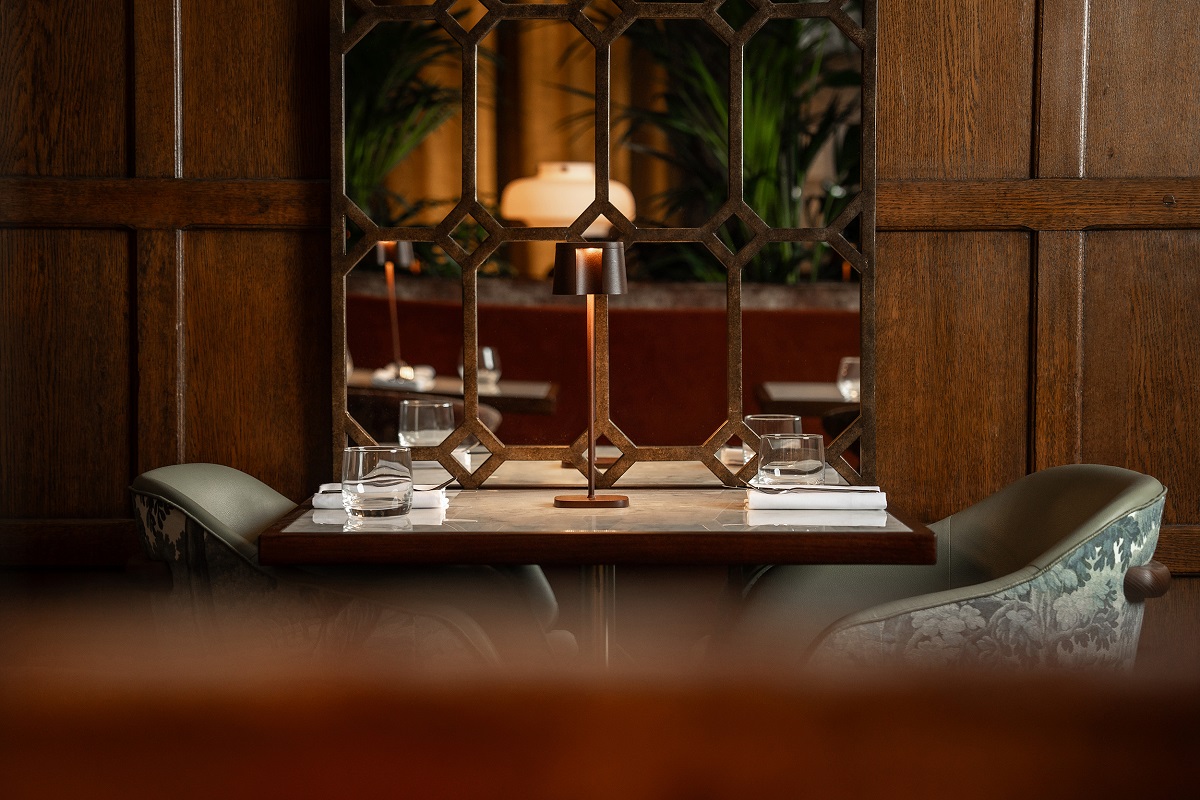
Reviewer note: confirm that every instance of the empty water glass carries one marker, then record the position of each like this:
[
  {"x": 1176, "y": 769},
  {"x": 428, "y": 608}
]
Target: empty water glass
[
  {"x": 848, "y": 378},
  {"x": 376, "y": 481},
  {"x": 768, "y": 423},
  {"x": 425, "y": 423},
  {"x": 791, "y": 459}
]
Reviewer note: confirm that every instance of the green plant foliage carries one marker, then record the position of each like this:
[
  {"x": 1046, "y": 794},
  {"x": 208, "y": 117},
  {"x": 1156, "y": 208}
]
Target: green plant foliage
[
  {"x": 390, "y": 107},
  {"x": 788, "y": 116}
]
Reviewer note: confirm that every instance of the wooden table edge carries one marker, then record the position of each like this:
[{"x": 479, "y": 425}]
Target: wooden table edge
[{"x": 697, "y": 547}]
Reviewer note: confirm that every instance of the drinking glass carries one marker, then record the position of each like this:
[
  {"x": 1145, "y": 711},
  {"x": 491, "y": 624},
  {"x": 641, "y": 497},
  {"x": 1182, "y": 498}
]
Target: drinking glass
[
  {"x": 768, "y": 423},
  {"x": 425, "y": 423},
  {"x": 376, "y": 481},
  {"x": 791, "y": 459},
  {"x": 488, "y": 374},
  {"x": 848, "y": 380}
]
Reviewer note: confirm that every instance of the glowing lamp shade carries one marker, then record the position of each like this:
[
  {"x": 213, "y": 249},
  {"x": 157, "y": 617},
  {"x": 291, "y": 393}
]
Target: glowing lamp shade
[{"x": 561, "y": 191}]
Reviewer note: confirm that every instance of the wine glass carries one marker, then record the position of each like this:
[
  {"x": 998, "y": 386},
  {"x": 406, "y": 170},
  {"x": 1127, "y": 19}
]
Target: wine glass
[
  {"x": 848, "y": 379},
  {"x": 488, "y": 374}
]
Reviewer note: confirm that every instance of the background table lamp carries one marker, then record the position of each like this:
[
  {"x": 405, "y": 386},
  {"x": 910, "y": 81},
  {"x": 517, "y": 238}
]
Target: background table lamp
[
  {"x": 554, "y": 198},
  {"x": 590, "y": 268}
]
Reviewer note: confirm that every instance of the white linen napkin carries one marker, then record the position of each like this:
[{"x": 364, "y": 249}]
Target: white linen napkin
[
  {"x": 330, "y": 496},
  {"x": 418, "y": 516},
  {"x": 808, "y": 517},
  {"x": 816, "y": 498}
]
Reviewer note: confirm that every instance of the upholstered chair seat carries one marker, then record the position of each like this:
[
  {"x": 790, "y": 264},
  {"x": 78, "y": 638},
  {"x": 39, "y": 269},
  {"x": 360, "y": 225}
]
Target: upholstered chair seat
[
  {"x": 1049, "y": 572},
  {"x": 203, "y": 522}
]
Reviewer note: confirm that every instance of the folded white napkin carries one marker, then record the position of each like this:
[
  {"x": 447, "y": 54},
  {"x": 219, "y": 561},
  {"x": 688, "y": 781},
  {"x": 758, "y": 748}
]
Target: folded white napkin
[
  {"x": 418, "y": 516},
  {"x": 816, "y": 498},
  {"x": 330, "y": 496},
  {"x": 835, "y": 518},
  {"x": 420, "y": 379}
]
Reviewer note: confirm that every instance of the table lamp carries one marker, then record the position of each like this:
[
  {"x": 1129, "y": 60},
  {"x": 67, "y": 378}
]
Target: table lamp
[{"x": 590, "y": 268}]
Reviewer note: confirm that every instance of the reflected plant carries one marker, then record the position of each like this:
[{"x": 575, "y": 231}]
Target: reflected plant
[
  {"x": 391, "y": 108},
  {"x": 792, "y": 107}
]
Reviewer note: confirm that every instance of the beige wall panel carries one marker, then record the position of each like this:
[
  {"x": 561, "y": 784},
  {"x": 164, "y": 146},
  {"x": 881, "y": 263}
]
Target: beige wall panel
[
  {"x": 955, "y": 88},
  {"x": 1143, "y": 93},
  {"x": 1141, "y": 368},
  {"x": 66, "y": 391},
  {"x": 257, "y": 357},
  {"x": 63, "y": 88},
  {"x": 255, "y": 89},
  {"x": 952, "y": 372}
]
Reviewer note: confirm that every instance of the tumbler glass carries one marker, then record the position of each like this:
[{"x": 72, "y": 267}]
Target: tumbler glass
[{"x": 376, "y": 481}]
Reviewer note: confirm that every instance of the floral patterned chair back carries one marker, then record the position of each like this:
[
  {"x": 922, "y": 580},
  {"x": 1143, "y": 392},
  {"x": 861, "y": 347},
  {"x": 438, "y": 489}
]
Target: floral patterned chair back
[
  {"x": 1049, "y": 572},
  {"x": 203, "y": 520}
]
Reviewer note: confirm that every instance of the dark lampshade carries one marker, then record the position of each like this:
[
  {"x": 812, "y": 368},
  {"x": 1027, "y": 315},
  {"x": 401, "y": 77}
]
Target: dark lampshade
[{"x": 589, "y": 268}]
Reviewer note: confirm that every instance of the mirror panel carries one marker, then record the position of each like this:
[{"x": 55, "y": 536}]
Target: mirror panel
[{"x": 686, "y": 92}]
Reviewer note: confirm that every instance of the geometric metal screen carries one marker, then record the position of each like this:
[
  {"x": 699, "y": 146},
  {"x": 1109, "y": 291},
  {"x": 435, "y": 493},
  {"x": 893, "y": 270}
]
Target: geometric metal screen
[{"x": 346, "y": 216}]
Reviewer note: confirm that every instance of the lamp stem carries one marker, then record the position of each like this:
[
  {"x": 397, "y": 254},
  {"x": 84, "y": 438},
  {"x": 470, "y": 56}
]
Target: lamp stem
[
  {"x": 389, "y": 268},
  {"x": 591, "y": 368}
]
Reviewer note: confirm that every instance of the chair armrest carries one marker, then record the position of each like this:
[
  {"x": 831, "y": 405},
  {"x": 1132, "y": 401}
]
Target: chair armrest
[{"x": 1150, "y": 580}]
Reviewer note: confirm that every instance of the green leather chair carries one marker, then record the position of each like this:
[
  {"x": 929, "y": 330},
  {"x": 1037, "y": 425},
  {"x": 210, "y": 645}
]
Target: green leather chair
[
  {"x": 203, "y": 522},
  {"x": 1049, "y": 572}
]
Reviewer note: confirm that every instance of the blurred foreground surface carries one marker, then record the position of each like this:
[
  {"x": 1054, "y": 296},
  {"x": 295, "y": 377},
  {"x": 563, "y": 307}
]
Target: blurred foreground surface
[{"x": 97, "y": 700}]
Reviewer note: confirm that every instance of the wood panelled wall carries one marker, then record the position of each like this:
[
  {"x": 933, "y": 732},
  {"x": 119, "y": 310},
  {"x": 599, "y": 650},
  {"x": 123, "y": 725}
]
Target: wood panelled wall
[
  {"x": 164, "y": 261},
  {"x": 164, "y": 272},
  {"x": 1038, "y": 258}
]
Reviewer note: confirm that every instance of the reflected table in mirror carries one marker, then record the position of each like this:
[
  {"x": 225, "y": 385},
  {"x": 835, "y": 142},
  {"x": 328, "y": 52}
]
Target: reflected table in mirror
[
  {"x": 695, "y": 522},
  {"x": 517, "y": 397},
  {"x": 802, "y": 399}
]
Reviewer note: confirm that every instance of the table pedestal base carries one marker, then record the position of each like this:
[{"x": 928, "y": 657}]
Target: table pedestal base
[{"x": 599, "y": 612}]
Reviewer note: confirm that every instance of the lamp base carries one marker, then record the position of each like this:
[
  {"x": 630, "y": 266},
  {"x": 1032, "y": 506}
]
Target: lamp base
[{"x": 599, "y": 501}]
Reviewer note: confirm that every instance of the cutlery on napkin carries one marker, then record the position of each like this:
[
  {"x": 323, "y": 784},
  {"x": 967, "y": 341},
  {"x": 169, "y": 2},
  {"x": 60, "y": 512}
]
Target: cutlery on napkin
[{"x": 818, "y": 497}]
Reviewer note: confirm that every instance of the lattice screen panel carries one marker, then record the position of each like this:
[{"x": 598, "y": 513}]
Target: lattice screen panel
[{"x": 354, "y": 234}]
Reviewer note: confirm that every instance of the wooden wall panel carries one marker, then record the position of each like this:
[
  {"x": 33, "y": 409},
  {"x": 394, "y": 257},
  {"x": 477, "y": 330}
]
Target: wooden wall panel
[
  {"x": 255, "y": 89},
  {"x": 955, "y": 88},
  {"x": 257, "y": 344},
  {"x": 65, "y": 386},
  {"x": 1141, "y": 374},
  {"x": 952, "y": 372},
  {"x": 1143, "y": 89},
  {"x": 63, "y": 96}
]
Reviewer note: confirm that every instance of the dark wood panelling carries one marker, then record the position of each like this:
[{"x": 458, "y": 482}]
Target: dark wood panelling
[
  {"x": 952, "y": 382},
  {"x": 1141, "y": 404},
  {"x": 1143, "y": 91},
  {"x": 255, "y": 99},
  {"x": 955, "y": 88},
  {"x": 163, "y": 203},
  {"x": 1179, "y": 548},
  {"x": 1049, "y": 204},
  {"x": 1061, "y": 129},
  {"x": 155, "y": 82},
  {"x": 65, "y": 385},
  {"x": 67, "y": 542},
  {"x": 159, "y": 350},
  {"x": 63, "y": 88},
  {"x": 257, "y": 345},
  {"x": 1058, "y": 349}
]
